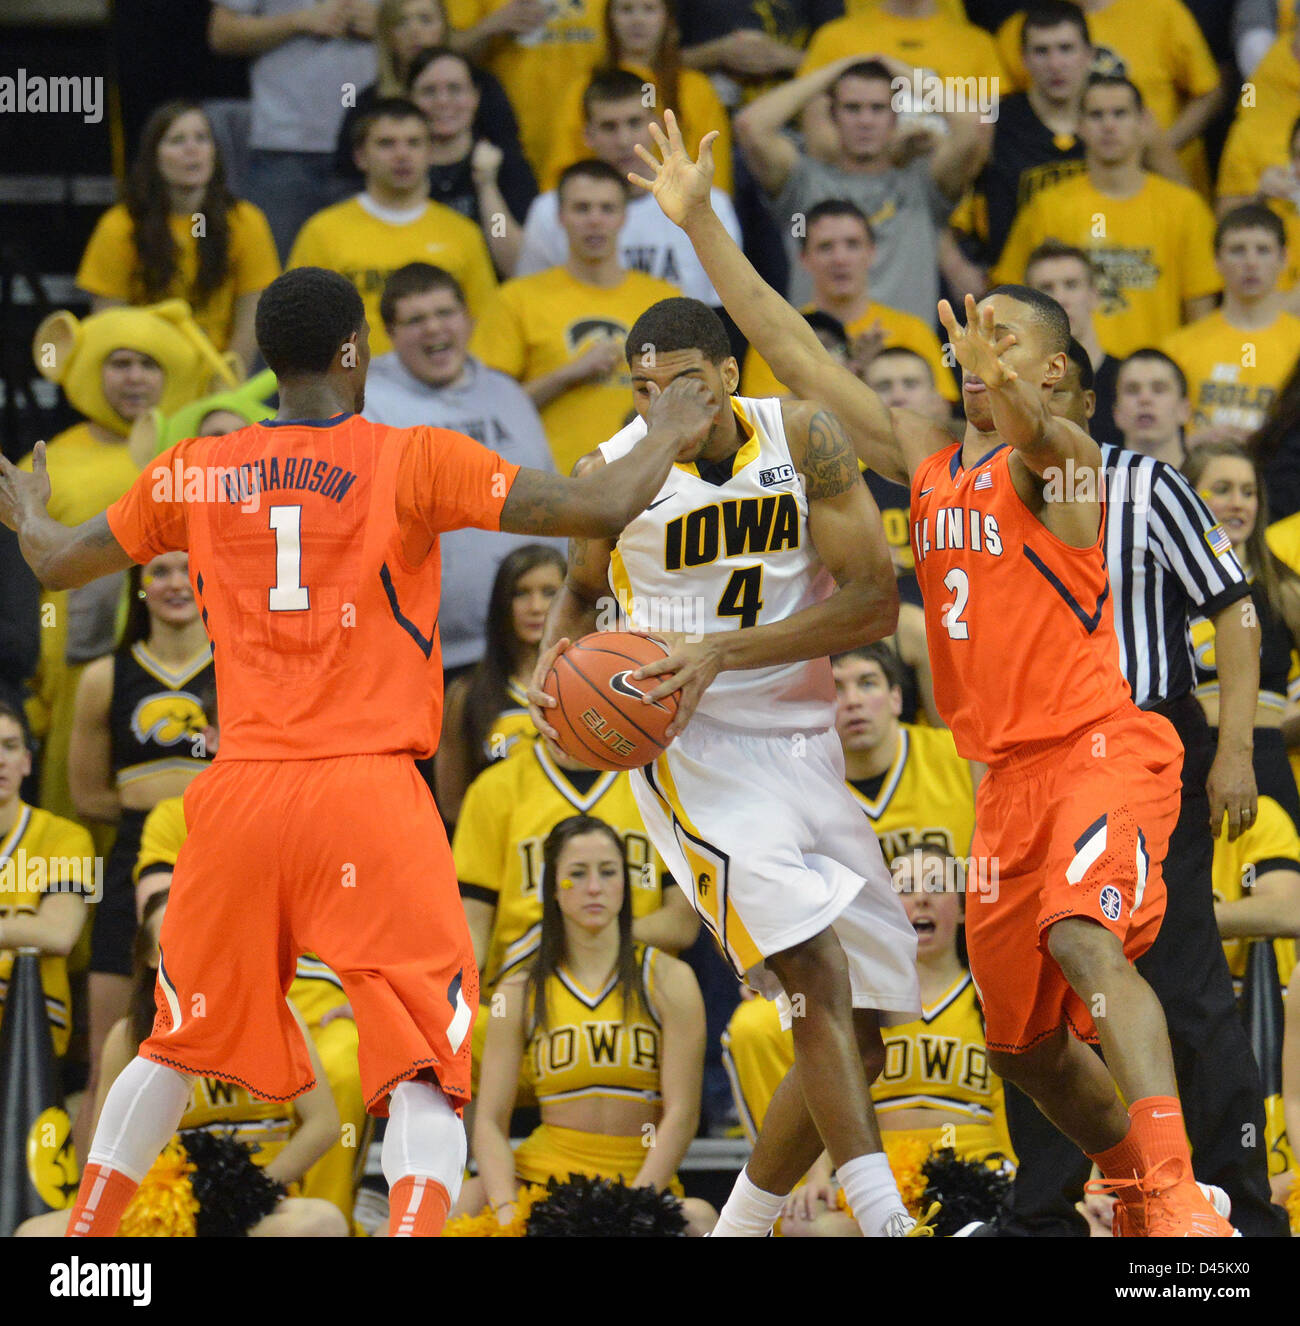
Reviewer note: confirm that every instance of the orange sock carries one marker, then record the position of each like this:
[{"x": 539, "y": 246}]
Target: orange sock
[
  {"x": 101, "y": 1200},
  {"x": 1160, "y": 1134},
  {"x": 1122, "y": 1161},
  {"x": 417, "y": 1207}
]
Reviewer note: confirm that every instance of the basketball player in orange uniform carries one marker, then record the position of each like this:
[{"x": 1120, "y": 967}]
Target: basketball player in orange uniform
[
  {"x": 1083, "y": 787},
  {"x": 313, "y": 544}
]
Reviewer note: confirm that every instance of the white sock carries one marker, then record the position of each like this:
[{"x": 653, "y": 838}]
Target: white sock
[
  {"x": 870, "y": 1190},
  {"x": 749, "y": 1213},
  {"x": 424, "y": 1137},
  {"x": 141, "y": 1111}
]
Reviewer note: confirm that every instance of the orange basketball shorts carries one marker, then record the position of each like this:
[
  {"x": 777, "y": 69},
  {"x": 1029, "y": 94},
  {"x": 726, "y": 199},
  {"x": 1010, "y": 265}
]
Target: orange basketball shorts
[
  {"x": 1079, "y": 828},
  {"x": 345, "y": 858}
]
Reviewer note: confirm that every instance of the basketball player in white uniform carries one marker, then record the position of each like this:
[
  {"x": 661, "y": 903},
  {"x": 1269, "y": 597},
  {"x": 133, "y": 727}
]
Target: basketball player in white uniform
[{"x": 765, "y": 545}]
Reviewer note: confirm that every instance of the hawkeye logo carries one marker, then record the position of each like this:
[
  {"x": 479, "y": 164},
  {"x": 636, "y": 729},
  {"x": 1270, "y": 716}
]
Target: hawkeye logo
[
  {"x": 169, "y": 718},
  {"x": 588, "y": 328},
  {"x": 621, "y": 682}
]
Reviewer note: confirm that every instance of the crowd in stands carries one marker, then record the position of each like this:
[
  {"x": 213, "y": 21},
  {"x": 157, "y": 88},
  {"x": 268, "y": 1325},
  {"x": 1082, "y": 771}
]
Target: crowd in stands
[{"x": 464, "y": 164}]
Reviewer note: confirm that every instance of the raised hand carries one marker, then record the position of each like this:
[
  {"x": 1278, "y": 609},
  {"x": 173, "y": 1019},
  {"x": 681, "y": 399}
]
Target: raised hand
[
  {"x": 976, "y": 346},
  {"x": 20, "y": 490},
  {"x": 680, "y": 185}
]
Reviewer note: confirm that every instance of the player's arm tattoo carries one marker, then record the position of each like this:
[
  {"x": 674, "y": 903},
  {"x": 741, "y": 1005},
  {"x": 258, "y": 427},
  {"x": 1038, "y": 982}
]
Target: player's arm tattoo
[{"x": 830, "y": 466}]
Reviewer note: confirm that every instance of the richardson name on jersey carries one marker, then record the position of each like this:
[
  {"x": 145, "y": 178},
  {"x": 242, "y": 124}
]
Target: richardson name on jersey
[
  {"x": 734, "y": 528},
  {"x": 240, "y": 485},
  {"x": 957, "y": 527}
]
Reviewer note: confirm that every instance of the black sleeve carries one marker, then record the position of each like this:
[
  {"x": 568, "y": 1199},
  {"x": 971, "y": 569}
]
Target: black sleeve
[
  {"x": 479, "y": 893},
  {"x": 20, "y": 612},
  {"x": 517, "y": 183},
  {"x": 495, "y": 120}
]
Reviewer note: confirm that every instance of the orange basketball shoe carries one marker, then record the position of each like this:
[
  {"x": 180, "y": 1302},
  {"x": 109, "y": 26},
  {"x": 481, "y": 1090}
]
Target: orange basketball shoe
[{"x": 1167, "y": 1203}]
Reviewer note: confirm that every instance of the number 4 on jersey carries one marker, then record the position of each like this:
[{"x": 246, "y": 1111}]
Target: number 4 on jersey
[{"x": 743, "y": 595}]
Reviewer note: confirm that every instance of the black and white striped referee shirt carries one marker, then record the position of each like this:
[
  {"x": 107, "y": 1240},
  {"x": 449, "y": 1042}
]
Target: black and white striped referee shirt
[{"x": 1165, "y": 568}]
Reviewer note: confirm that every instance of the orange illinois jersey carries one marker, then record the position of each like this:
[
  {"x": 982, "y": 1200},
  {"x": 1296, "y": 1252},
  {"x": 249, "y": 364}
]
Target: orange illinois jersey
[
  {"x": 314, "y": 558},
  {"x": 1019, "y": 624}
]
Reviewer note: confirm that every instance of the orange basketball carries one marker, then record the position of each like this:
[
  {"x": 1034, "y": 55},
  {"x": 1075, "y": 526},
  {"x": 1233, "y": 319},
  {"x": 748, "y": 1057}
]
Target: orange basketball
[{"x": 599, "y": 714}]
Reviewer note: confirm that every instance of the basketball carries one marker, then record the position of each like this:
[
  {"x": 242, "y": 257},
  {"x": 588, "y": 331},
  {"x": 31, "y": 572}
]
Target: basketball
[{"x": 599, "y": 715}]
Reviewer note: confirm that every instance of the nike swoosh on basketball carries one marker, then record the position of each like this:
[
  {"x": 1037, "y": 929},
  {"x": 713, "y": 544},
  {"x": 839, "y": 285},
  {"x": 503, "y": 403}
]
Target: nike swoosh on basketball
[
  {"x": 619, "y": 682},
  {"x": 660, "y": 502}
]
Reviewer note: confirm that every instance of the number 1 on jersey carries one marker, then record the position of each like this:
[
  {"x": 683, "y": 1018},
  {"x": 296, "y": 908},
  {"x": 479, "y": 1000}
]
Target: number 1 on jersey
[
  {"x": 288, "y": 594},
  {"x": 959, "y": 582}
]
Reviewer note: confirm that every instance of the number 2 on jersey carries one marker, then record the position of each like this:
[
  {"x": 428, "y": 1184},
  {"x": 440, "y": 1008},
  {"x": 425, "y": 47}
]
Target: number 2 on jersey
[
  {"x": 743, "y": 595},
  {"x": 288, "y": 594},
  {"x": 959, "y": 582}
]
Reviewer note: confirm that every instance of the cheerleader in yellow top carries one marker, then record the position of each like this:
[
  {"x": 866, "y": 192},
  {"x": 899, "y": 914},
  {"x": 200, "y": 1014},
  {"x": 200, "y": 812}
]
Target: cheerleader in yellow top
[
  {"x": 485, "y": 712},
  {"x": 936, "y": 1085},
  {"x": 611, "y": 1034},
  {"x": 286, "y": 1137}
]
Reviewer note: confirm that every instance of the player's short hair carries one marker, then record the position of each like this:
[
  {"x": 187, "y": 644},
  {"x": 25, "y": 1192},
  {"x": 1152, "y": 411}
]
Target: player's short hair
[
  {"x": 834, "y": 207},
  {"x": 608, "y": 85},
  {"x": 1051, "y": 249},
  {"x": 879, "y": 653},
  {"x": 873, "y": 70},
  {"x": 1052, "y": 14},
  {"x": 903, "y": 352},
  {"x": 1113, "y": 80},
  {"x": 304, "y": 317},
  {"x": 15, "y": 712},
  {"x": 1250, "y": 216},
  {"x": 590, "y": 169},
  {"x": 1044, "y": 310},
  {"x": 1150, "y": 353},
  {"x": 386, "y": 108},
  {"x": 1078, "y": 356},
  {"x": 820, "y": 321},
  {"x": 416, "y": 278},
  {"x": 679, "y": 324}
]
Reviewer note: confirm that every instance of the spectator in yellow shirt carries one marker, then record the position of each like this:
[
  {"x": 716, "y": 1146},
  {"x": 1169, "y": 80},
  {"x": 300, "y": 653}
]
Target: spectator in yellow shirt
[
  {"x": 1151, "y": 240},
  {"x": 393, "y": 222},
  {"x": 1259, "y": 155},
  {"x": 1160, "y": 47},
  {"x": 538, "y": 49},
  {"x": 642, "y": 37},
  {"x": 561, "y": 332},
  {"x": 837, "y": 249},
  {"x": 1238, "y": 357},
  {"x": 179, "y": 233}
]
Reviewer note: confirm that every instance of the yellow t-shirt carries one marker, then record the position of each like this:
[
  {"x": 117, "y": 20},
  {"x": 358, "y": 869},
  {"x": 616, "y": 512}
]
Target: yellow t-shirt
[
  {"x": 505, "y": 817},
  {"x": 698, "y": 111},
  {"x": 950, "y": 47},
  {"x": 315, "y": 988},
  {"x": 1153, "y": 251},
  {"x": 1233, "y": 376},
  {"x": 110, "y": 265},
  {"x": 538, "y": 68},
  {"x": 1157, "y": 44},
  {"x": 926, "y": 795},
  {"x": 38, "y": 855},
  {"x": 350, "y": 240},
  {"x": 1261, "y": 131},
  {"x": 1271, "y": 842},
  {"x": 539, "y": 323},
  {"x": 901, "y": 329}
]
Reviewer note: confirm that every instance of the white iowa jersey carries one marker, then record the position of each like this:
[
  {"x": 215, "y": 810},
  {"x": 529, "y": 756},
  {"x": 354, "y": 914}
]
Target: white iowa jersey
[{"x": 706, "y": 557}]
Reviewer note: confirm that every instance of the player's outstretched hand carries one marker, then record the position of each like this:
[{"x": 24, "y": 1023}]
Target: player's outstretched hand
[
  {"x": 538, "y": 700},
  {"x": 686, "y": 407},
  {"x": 1232, "y": 792},
  {"x": 689, "y": 670},
  {"x": 680, "y": 185},
  {"x": 976, "y": 346},
  {"x": 807, "y": 1203},
  {"x": 21, "y": 491}
]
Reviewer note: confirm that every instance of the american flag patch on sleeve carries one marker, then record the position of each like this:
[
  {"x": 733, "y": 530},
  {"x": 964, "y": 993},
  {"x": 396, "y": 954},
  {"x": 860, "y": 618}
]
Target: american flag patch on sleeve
[
  {"x": 984, "y": 480},
  {"x": 1216, "y": 536}
]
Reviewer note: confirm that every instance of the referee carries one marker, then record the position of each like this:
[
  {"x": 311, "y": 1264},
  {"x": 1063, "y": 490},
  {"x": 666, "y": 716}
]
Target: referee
[{"x": 1162, "y": 571}]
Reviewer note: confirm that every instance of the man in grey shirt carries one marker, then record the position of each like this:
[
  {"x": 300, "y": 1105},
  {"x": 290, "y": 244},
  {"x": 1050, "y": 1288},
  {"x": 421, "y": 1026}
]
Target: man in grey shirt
[
  {"x": 429, "y": 378},
  {"x": 309, "y": 62},
  {"x": 907, "y": 205}
]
